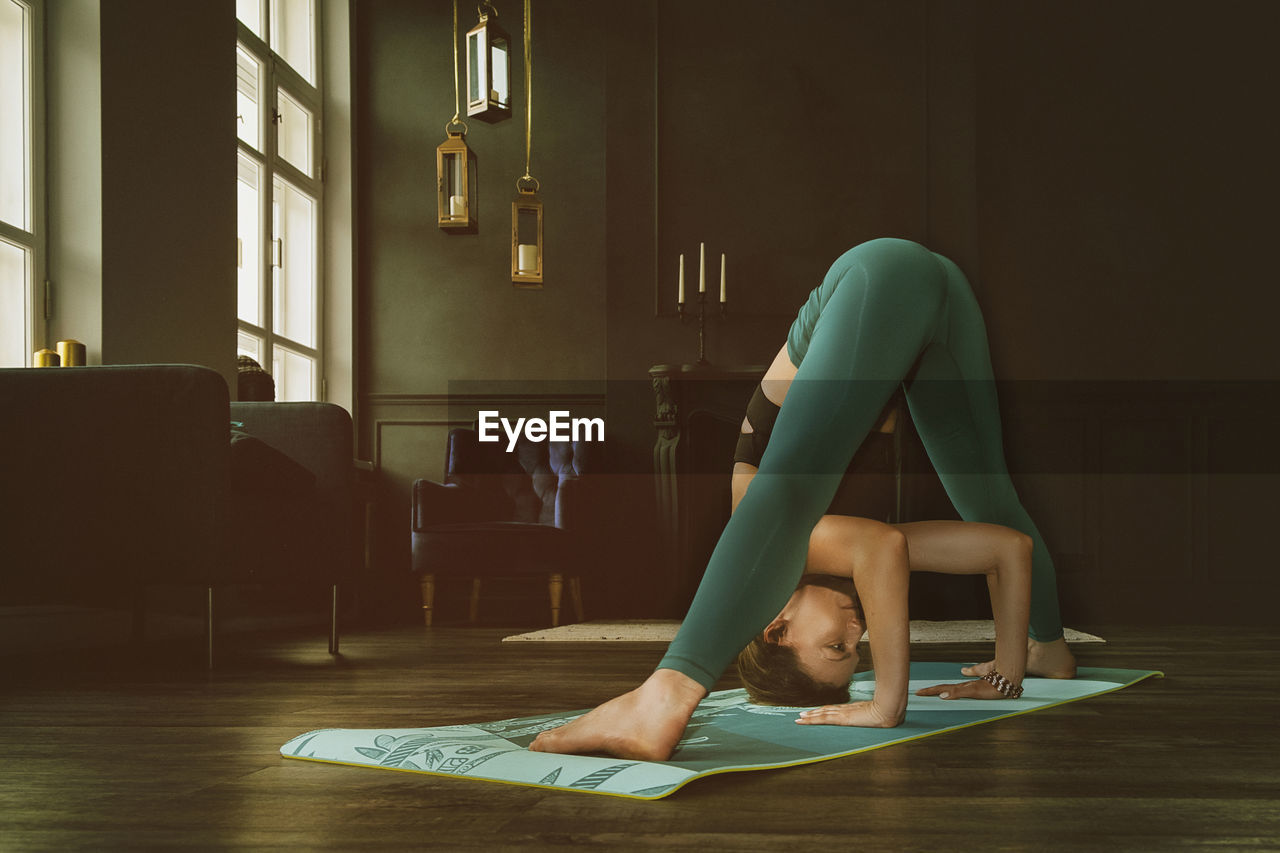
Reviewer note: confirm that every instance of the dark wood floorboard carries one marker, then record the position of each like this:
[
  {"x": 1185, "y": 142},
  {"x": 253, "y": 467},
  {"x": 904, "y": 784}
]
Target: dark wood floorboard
[{"x": 116, "y": 749}]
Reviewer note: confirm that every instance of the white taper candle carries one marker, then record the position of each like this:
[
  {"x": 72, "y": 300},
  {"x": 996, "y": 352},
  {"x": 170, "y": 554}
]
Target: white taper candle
[{"x": 702, "y": 267}]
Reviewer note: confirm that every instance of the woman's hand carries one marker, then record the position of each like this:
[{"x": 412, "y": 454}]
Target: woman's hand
[
  {"x": 866, "y": 714},
  {"x": 979, "y": 689}
]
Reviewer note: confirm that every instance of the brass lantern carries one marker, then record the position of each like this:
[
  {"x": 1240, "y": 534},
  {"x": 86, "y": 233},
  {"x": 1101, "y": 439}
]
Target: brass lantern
[
  {"x": 455, "y": 166},
  {"x": 488, "y": 68},
  {"x": 526, "y": 235}
]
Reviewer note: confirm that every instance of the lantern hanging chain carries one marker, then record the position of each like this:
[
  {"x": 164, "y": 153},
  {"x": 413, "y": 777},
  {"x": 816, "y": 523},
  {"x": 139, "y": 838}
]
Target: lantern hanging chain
[
  {"x": 457, "y": 92},
  {"x": 528, "y": 94}
]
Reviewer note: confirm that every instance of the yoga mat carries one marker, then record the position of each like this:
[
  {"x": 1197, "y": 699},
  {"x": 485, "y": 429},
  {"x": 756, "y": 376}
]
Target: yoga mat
[
  {"x": 726, "y": 734},
  {"x": 664, "y": 631}
]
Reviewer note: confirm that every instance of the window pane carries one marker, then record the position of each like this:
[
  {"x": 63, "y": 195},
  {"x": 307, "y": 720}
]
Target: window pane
[
  {"x": 250, "y": 345},
  {"x": 476, "y": 69},
  {"x": 248, "y": 98},
  {"x": 294, "y": 275},
  {"x": 250, "y": 12},
  {"x": 14, "y": 112},
  {"x": 293, "y": 133},
  {"x": 15, "y": 285},
  {"x": 249, "y": 232},
  {"x": 293, "y": 35},
  {"x": 294, "y": 374}
]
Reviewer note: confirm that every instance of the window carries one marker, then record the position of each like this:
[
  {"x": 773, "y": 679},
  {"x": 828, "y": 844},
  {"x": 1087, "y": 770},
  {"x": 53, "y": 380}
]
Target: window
[
  {"x": 280, "y": 192},
  {"x": 21, "y": 177}
]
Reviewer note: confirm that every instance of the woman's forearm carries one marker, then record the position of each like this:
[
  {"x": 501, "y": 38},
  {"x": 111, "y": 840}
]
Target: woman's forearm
[
  {"x": 882, "y": 588},
  {"x": 1010, "y": 587},
  {"x": 1003, "y": 555}
]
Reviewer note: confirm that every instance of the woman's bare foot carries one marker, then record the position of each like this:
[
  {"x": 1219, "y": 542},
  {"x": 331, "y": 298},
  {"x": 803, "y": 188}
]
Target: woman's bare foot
[
  {"x": 1044, "y": 660},
  {"x": 645, "y": 723}
]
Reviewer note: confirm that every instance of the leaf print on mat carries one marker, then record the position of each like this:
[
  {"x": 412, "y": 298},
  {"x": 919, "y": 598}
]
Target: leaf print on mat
[
  {"x": 389, "y": 751},
  {"x": 599, "y": 777},
  {"x": 649, "y": 792}
]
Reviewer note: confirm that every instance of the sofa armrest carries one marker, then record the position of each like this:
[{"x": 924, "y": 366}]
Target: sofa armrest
[{"x": 317, "y": 436}]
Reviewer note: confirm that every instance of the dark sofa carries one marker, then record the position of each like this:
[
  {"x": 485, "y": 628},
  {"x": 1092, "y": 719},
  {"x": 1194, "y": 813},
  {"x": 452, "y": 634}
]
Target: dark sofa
[{"x": 119, "y": 477}]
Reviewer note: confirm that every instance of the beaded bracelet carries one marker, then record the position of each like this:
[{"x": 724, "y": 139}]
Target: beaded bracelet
[{"x": 1004, "y": 685}]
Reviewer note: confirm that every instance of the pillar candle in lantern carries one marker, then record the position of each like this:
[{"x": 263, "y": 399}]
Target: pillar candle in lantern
[{"x": 527, "y": 257}]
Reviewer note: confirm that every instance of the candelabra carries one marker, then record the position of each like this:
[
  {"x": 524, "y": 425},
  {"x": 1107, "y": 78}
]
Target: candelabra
[
  {"x": 702, "y": 322},
  {"x": 702, "y": 299}
]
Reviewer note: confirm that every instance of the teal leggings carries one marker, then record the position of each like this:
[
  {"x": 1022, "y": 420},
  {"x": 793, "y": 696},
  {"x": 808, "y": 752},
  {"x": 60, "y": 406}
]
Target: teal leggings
[{"x": 884, "y": 308}]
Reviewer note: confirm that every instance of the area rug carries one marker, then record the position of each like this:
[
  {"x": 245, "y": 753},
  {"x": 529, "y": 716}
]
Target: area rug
[
  {"x": 727, "y": 734},
  {"x": 664, "y": 631}
]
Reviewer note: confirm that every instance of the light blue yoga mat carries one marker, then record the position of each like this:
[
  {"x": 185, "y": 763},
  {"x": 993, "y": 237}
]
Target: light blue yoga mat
[{"x": 727, "y": 734}]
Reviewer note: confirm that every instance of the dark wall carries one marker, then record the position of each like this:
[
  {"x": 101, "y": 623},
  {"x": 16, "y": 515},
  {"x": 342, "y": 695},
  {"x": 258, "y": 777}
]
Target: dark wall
[
  {"x": 168, "y": 235},
  {"x": 438, "y": 311},
  {"x": 1100, "y": 171},
  {"x": 439, "y": 306},
  {"x": 1126, "y": 188}
]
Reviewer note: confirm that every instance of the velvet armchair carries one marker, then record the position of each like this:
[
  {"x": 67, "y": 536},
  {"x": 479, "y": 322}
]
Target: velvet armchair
[{"x": 530, "y": 512}]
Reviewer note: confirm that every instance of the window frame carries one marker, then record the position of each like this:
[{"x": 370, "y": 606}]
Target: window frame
[
  {"x": 278, "y": 75},
  {"x": 33, "y": 240}
]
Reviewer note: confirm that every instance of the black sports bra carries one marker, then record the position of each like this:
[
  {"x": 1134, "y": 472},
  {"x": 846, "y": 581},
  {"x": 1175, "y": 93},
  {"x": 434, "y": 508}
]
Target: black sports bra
[{"x": 762, "y": 412}]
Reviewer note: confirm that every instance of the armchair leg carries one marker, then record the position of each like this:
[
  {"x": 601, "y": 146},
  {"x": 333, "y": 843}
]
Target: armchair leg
[
  {"x": 473, "y": 612},
  {"x": 333, "y": 623},
  {"x": 428, "y": 597},
  {"x": 555, "y": 587},
  {"x": 575, "y": 594}
]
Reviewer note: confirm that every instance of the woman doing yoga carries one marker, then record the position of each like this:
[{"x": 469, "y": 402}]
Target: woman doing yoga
[{"x": 888, "y": 311}]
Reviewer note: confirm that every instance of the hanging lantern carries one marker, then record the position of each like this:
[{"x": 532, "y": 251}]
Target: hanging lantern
[
  {"x": 455, "y": 167},
  {"x": 488, "y": 68},
  {"x": 526, "y": 235},
  {"x": 526, "y": 210},
  {"x": 455, "y": 164}
]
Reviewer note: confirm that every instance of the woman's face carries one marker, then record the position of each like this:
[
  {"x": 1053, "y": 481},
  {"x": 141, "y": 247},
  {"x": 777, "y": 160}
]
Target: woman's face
[{"x": 822, "y": 626}]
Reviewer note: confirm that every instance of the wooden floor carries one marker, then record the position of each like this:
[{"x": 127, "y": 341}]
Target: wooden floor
[{"x": 112, "y": 750}]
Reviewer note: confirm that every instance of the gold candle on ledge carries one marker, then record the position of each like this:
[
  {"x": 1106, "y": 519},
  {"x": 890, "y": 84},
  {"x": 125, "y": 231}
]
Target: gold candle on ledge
[
  {"x": 71, "y": 353},
  {"x": 45, "y": 358}
]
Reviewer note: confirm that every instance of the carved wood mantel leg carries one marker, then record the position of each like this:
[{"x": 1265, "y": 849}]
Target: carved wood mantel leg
[
  {"x": 689, "y": 507},
  {"x": 666, "y": 480}
]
